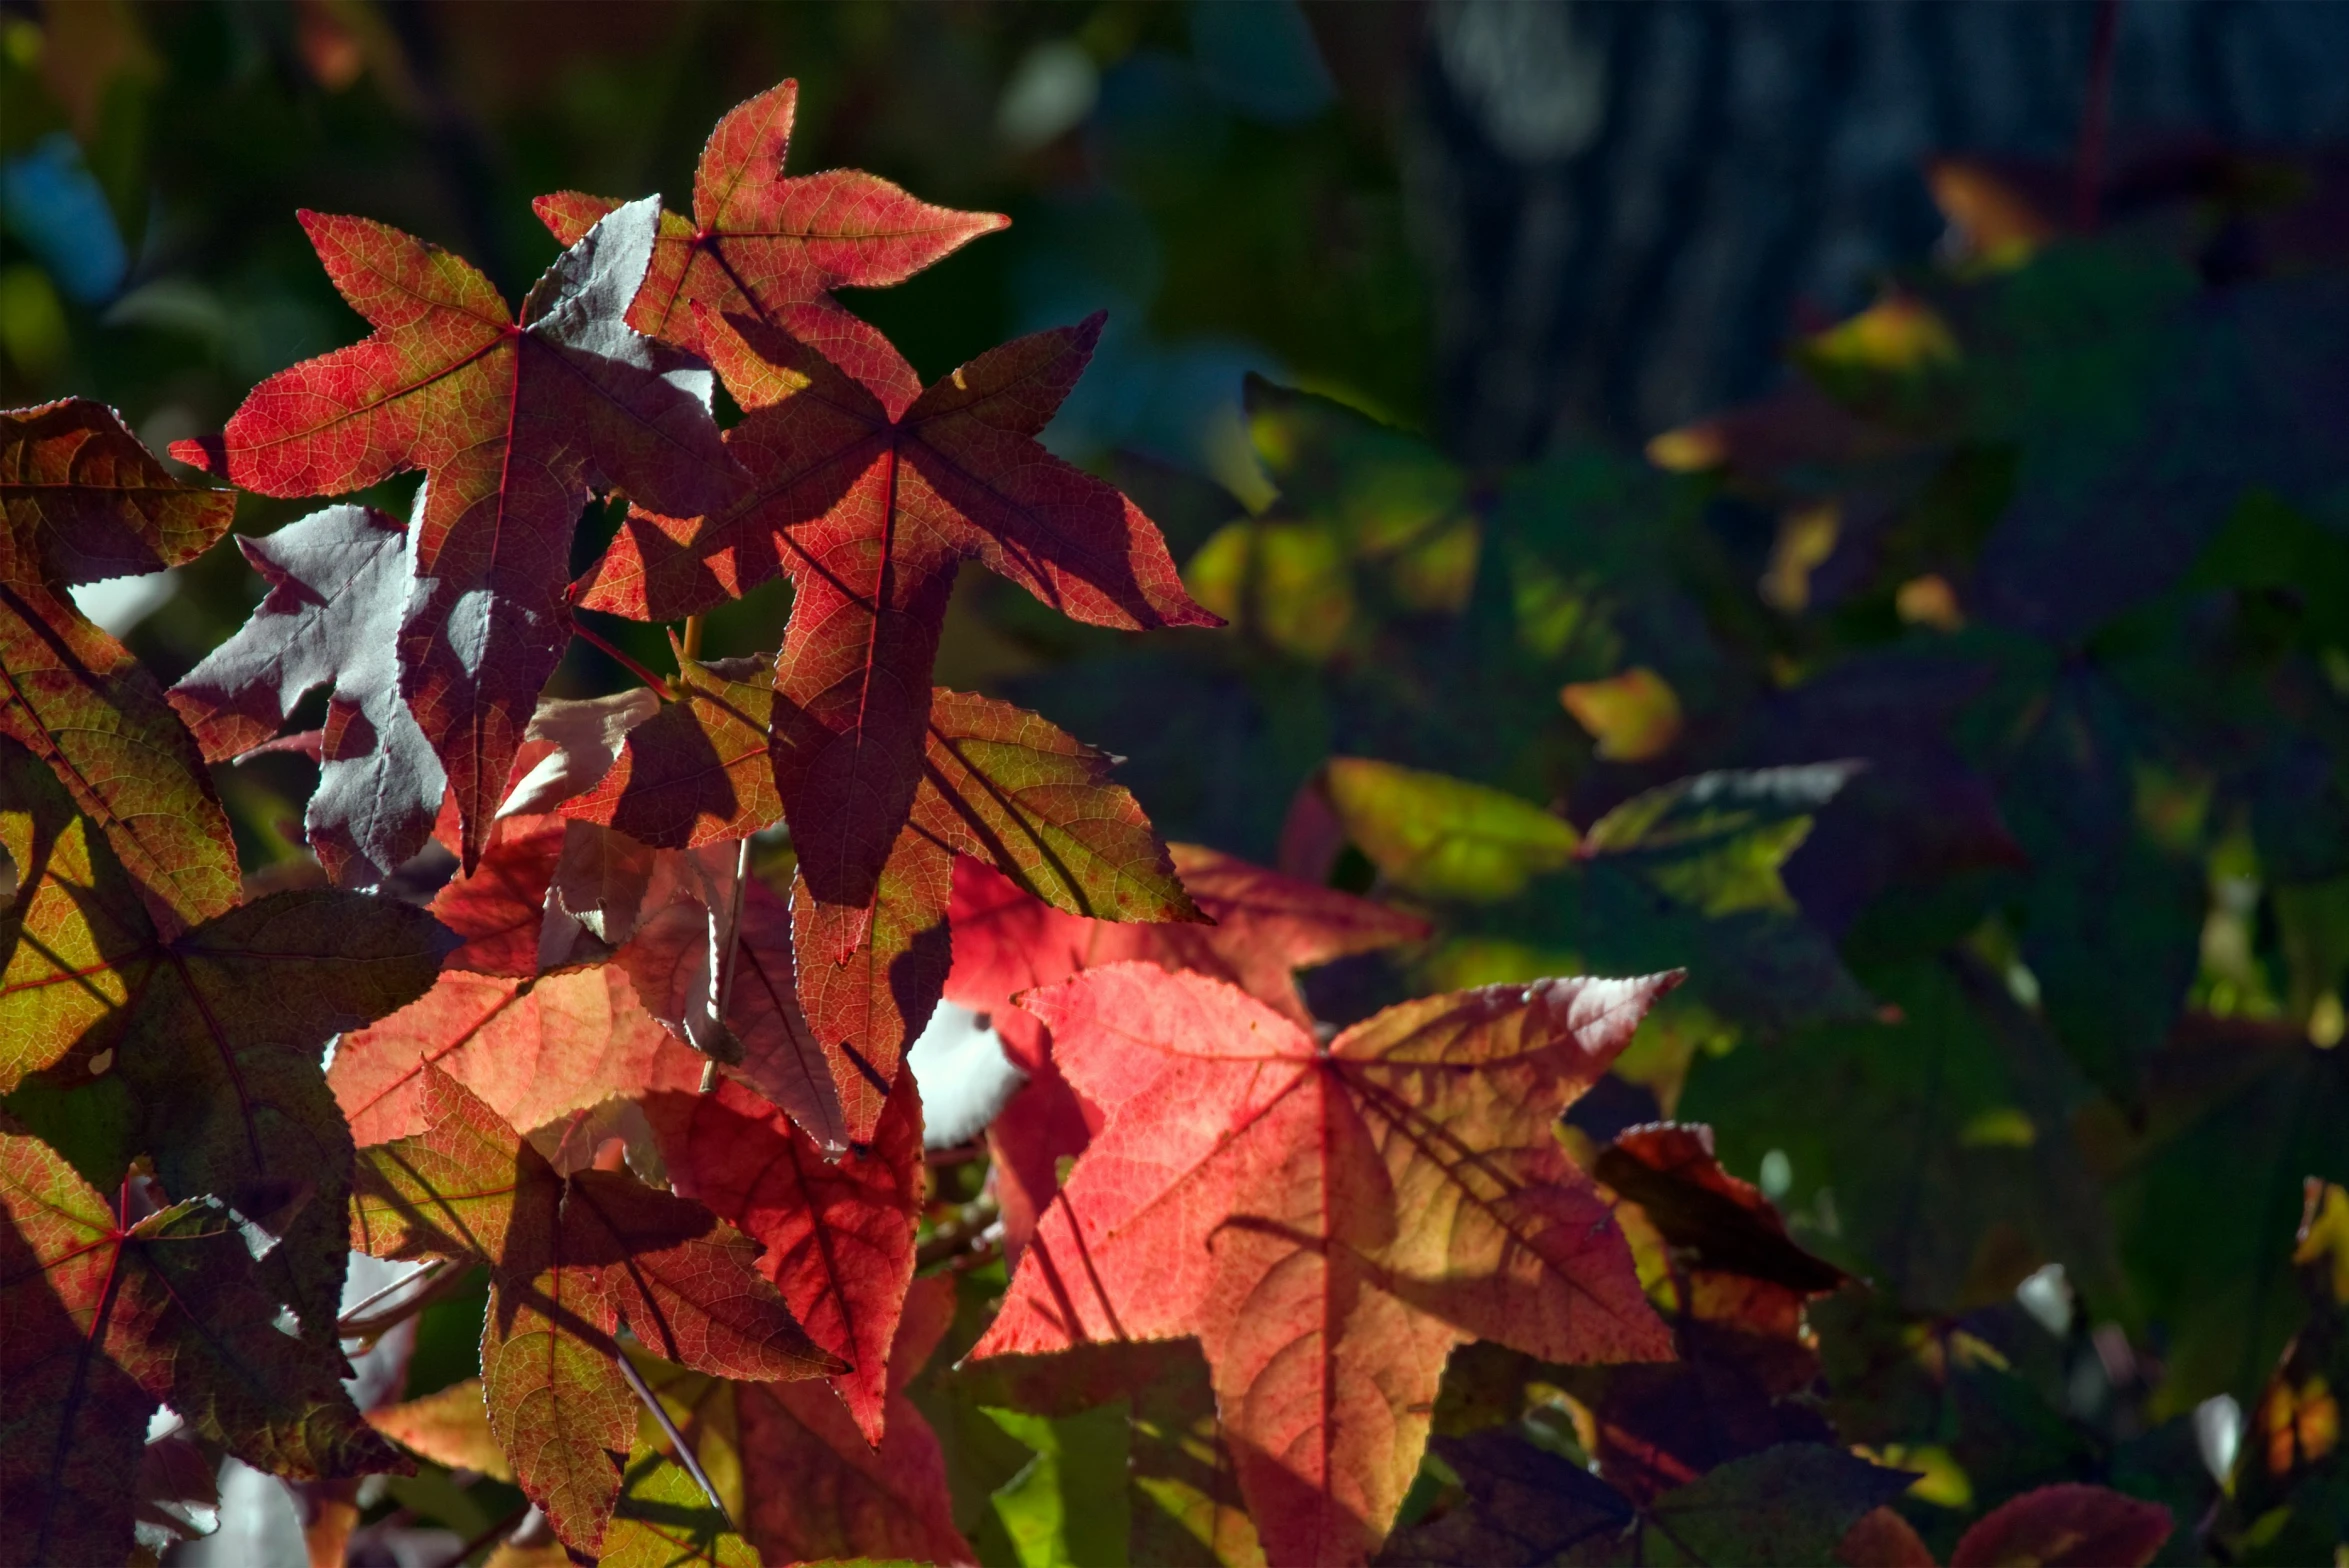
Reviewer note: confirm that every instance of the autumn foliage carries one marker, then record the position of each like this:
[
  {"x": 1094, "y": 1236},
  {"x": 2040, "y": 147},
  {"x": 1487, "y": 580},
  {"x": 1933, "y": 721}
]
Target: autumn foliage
[{"x": 599, "y": 1015}]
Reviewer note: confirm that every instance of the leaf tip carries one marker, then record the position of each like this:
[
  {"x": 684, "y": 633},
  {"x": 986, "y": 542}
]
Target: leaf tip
[{"x": 208, "y": 453}]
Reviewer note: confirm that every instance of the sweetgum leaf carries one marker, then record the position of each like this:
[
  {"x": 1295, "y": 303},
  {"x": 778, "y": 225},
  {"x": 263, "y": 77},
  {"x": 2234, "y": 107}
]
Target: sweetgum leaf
[
  {"x": 697, "y": 771},
  {"x": 570, "y": 1259},
  {"x": 449, "y": 1428},
  {"x": 584, "y": 737},
  {"x": 535, "y": 1050},
  {"x": 817, "y": 1491},
  {"x": 81, "y": 501},
  {"x": 837, "y": 1235},
  {"x": 870, "y": 512},
  {"x": 215, "y": 1033},
  {"x": 338, "y": 582},
  {"x": 1716, "y": 842},
  {"x": 104, "y": 1320},
  {"x": 998, "y": 785},
  {"x": 2067, "y": 1526},
  {"x": 1443, "y": 836},
  {"x": 499, "y": 906},
  {"x": 662, "y": 1520},
  {"x": 675, "y": 961},
  {"x": 513, "y": 423},
  {"x": 1330, "y": 1221},
  {"x": 1007, "y": 940},
  {"x": 775, "y": 247}
]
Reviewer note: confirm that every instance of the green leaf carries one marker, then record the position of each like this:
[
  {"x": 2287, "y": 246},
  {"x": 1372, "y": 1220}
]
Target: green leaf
[
  {"x": 1446, "y": 837},
  {"x": 1716, "y": 842},
  {"x": 1068, "y": 1508}
]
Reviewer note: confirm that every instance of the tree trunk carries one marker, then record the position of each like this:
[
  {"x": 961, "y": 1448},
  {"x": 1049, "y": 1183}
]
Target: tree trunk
[{"x": 1628, "y": 209}]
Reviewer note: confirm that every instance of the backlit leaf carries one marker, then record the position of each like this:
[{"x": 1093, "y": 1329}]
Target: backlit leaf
[
  {"x": 1314, "y": 1212},
  {"x": 775, "y": 246},
  {"x": 82, "y": 502},
  {"x": 2068, "y": 1526},
  {"x": 1443, "y": 836},
  {"x": 514, "y": 423},
  {"x": 836, "y": 1235},
  {"x": 571, "y": 1258},
  {"x": 102, "y": 1321},
  {"x": 870, "y": 512},
  {"x": 817, "y": 1491},
  {"x": 216, "y": 1033}
]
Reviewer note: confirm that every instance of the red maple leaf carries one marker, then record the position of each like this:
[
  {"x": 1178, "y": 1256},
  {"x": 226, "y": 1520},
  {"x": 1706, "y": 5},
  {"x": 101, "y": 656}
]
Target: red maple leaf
[
  {"x": 570, "y": 1259},
  {"x": 774, "y": 246},
  {"x": 838, "y": 1231},
  {"x": 870, "y": 513},
  {"x": 80, "y": 502},
  {"x": 513, "y": 423},
  {"x": 1265, "y": 927},
  {"x": 1331, "y": 1221}
]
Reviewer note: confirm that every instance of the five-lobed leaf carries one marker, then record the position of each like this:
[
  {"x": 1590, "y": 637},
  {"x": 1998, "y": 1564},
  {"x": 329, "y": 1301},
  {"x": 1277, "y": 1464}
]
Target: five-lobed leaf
[
  {"x": 338, "y": 584},
  {"x": 870, "y": 513},
  {"x": 102, "y": 1320},
  {"x": 774, "y": 246},
  {"x": 80, "y": 502},
  {"x": 514, "y": 423},
  {"x": 1007, "y": 940},
  {"x": 571, "y": 1258},
  {"x": 1330, "y": 1221}
]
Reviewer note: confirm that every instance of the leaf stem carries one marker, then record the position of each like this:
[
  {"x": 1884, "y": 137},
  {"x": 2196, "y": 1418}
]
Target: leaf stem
[
  {"x": 446, "y": 1280},
  {"x": 683, "y": 1449},
  {"x": 579, "y": 629},
  {"x": 691, "y": 643}
]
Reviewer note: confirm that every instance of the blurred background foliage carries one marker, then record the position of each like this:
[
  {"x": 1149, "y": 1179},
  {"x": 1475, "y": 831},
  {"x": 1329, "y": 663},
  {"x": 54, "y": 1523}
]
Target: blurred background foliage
[{"x": 1947, "y": 661}]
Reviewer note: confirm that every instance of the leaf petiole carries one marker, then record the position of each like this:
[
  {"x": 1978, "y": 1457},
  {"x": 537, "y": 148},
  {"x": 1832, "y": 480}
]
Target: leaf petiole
[{"x": 579, "y": 630}]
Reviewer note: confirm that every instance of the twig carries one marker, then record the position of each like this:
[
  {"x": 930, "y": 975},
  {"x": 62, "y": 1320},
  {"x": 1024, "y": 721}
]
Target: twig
[
  {"x": 397, "y": 1285},
  {"x": 446, "y": 1282},
  {"x": 579, "y": 629},
  {"x": 683, "y": 1449}
]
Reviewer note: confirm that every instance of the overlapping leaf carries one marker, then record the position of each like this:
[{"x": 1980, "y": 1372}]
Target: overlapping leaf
[
  {"x": 1007, "y": 941},
  {"x": 571, "y": 1258},
  {"x": 513, "y": 423},
  {"x": 775, "y": 246},
  {"x": 1330, "y": 1221},
  {"x": 837, "y": 1233},
  {"x": 697, "y": 771},
  {"x": 216, "y": 1033},
  {"x": 869, "y": 513},
  {"x": 998, "y": 785},
  {"x": 817, "y": 1491},
  {"x": 81, "y": 501},
  {"x": 533, "y": 1048},
  {"x": 338, "y": 583},
  {"x": 102, "y": 1320}
]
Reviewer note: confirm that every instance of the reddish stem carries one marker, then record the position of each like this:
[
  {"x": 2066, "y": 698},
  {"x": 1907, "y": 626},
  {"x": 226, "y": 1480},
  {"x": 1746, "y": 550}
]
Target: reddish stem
[{"x": 579, "y": 628}]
